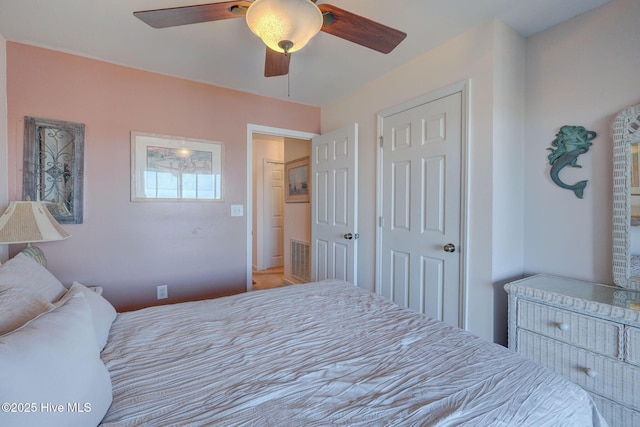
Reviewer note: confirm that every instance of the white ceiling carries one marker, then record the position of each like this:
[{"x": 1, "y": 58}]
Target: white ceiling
[{"x": 227, "y": 54}]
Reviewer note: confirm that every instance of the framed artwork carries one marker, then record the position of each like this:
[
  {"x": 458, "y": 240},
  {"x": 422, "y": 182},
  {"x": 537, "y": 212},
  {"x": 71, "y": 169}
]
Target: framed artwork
[
  {"x": 54, "y": 167},
  {"x": 172, "y": 168},
  {"x": 297, "y": 184}
]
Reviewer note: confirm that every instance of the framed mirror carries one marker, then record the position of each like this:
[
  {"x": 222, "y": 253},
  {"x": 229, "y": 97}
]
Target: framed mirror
[
  {"x": 54, "y": 166},
  {"x": 626, "y": 198}
]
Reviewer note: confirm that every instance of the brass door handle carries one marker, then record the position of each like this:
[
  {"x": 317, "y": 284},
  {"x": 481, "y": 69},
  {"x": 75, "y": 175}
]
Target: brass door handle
[{"x": 449, "y": 247}]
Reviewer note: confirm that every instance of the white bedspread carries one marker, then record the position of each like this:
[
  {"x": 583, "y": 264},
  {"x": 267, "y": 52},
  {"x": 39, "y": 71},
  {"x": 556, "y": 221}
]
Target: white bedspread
[{"x": 322, "y": 354}]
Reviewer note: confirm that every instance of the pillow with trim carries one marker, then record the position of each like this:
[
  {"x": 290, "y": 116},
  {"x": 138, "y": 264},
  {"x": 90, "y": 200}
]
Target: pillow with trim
[
  {"x": 52, "y": 361},
  {"x": 24, "y": 272},
  {"x": 18, "y": 306}
]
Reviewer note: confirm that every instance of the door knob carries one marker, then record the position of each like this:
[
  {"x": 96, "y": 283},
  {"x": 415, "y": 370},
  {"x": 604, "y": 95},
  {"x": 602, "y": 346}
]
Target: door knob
[
  {"x": 449, "y": 247},
  {"x": 591, "y": 373},
  {"x": 350, "y": 236}
]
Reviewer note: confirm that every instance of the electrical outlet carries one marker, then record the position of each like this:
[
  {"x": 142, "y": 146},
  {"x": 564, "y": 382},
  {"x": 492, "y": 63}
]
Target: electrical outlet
[{"x": 162, "y": 292}]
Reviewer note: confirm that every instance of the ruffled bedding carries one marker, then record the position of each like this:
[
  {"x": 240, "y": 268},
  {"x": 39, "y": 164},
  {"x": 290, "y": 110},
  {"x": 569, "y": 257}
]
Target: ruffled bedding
[{"x": 319, "y": 354}]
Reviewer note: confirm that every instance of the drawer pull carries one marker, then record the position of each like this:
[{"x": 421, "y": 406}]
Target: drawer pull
[
  {"x": 563, "y": 326},
  {"x": 591, "y": 373}
]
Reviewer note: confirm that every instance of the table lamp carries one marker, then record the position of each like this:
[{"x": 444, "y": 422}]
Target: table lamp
[{"x": 30, "y": 222}]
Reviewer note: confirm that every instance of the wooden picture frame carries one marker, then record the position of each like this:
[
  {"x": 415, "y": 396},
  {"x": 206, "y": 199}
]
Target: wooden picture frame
[
  {"x": 298, "y": 189},
  {"x": 175, "y": 169},
  {"x": 54, "y": 167}
]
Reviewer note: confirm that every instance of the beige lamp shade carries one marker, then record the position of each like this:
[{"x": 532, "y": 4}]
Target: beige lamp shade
[
  {"x": 29, "y": 222},
  {"x": 280, "y": 23}
]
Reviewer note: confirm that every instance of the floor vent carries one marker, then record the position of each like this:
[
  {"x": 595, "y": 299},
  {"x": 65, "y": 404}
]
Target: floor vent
[{"x": 300, "y": 261}]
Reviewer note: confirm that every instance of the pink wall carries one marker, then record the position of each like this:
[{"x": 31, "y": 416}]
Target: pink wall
[{"x": 197, "y": 249}]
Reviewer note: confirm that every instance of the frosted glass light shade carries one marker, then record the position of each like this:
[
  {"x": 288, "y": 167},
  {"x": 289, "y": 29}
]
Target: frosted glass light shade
[{"x": 275, "y": 21}]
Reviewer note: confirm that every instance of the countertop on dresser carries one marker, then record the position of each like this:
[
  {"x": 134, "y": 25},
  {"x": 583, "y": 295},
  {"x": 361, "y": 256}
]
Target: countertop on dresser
[{"x": 604, "y": 301}]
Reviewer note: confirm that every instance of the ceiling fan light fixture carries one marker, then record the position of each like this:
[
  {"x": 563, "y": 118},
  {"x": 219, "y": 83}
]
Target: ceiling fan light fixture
[{"x": 292, "y": 21}]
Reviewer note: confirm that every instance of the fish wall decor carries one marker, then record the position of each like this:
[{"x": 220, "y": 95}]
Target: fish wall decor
[{"x": 570, "y": 142}]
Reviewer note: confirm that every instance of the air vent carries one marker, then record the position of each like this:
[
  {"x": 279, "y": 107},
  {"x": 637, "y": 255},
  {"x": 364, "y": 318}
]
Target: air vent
[{"x": 300, "y": 261}]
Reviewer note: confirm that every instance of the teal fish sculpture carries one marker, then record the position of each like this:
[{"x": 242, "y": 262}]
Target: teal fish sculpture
[{"x": 570, "y": 142}]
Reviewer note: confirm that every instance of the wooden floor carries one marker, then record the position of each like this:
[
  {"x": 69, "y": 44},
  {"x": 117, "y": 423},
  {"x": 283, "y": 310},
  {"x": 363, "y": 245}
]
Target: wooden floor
[{"x": 269, "y": 278}]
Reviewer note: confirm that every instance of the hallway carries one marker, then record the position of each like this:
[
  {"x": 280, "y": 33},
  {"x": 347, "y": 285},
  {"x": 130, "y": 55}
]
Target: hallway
[{"x": 269, "y": 278}]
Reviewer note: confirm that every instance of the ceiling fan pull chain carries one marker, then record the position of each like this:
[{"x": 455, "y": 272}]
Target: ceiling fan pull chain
[{"x": 288, "y": 85}]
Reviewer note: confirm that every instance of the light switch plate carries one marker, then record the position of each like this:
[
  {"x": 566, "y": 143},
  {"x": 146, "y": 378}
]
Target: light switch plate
[{"x": 237, "y": 210}]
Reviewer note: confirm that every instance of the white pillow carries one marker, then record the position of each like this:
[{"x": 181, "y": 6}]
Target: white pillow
[
  {"x": 103, "y": 313},
  {"x": 18, "y": 306},
  {"x": 24, "y": 272},
  {"x": 53, "y": 362}
]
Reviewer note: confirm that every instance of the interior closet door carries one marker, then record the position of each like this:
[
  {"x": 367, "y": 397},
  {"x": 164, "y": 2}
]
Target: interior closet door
[{"x": 421, "y": 208}]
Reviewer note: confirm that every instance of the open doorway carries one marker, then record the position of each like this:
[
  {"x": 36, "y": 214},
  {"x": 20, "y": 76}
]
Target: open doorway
[
  {"x": 274, "y": 226},
  {"x": 267, "y": 267}
]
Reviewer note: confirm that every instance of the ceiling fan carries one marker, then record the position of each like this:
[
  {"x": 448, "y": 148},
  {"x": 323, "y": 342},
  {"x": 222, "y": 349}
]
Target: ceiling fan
[{"x": 285, "y": 26}]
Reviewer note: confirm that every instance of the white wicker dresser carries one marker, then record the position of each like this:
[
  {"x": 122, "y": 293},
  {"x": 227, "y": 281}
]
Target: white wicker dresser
[{"x": 587, "y": 332}]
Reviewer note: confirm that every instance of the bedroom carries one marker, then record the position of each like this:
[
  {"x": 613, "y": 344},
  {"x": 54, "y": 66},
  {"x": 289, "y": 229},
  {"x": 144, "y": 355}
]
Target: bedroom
[
  {"x": 520, "y": 223},
  {"x": 504, "y": 172}
]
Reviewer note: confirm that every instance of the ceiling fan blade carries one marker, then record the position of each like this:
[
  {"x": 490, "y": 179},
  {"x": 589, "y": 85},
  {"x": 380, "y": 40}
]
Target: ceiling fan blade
[
  {"x": 360, "y": 30},
  {"x": 174, "y": 16},
  {"x": 276, "y": 64}
]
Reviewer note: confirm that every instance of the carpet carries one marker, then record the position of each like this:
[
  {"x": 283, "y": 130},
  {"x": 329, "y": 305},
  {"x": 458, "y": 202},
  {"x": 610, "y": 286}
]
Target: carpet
[{"x": 269, "y": 278}]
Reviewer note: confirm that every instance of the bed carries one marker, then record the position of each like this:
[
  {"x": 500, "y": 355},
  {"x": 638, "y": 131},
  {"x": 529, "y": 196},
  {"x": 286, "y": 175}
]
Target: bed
[{"x": 318, "y": 354}]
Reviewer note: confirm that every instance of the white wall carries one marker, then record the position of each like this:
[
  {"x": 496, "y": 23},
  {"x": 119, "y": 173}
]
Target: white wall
[
  {"x": 4, "y": 184},
  {"x": 581, "y": 72},
  {"x": 469, "y": 56},
  {"x": 508, "y": 174}
]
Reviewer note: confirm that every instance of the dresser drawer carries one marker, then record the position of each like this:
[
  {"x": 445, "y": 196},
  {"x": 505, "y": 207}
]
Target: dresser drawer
[
  {"x": 601, "y": 375},
  {"x": 588, "y": 332},
  {"x": 632, "y": 338},
  {"x": 616, "y": 415}
]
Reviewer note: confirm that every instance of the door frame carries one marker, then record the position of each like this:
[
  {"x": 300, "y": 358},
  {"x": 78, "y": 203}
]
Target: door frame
[
  {"x": 463, "y": 88},
  {"x": 265, "y": 130}
]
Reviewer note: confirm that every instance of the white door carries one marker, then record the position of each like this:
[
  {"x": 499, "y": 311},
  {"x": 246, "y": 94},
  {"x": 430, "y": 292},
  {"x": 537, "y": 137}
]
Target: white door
[
  {"x": 273, "y": 214},
  {"x": 421, "y": 208},
  {"x": 334, "y": 228}
]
